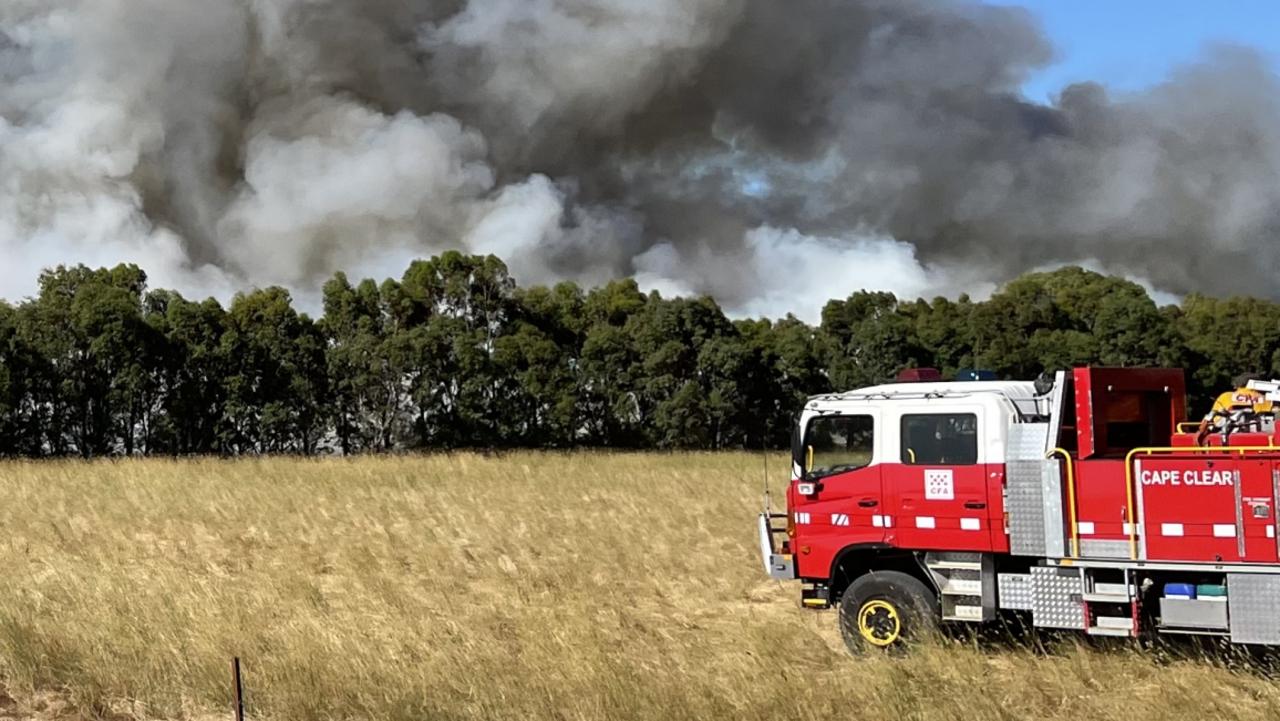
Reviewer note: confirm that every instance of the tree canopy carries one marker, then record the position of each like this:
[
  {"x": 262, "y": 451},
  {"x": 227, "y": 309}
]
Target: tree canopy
[{"x": 455, "y": 355}]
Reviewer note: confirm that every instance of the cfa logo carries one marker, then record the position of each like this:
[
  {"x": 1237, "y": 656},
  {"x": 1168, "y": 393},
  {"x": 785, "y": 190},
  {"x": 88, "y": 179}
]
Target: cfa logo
[{"x": 939, "y": 484}]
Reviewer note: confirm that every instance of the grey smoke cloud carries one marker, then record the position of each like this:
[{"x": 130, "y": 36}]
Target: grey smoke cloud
[{"x": 772, "y": 154}]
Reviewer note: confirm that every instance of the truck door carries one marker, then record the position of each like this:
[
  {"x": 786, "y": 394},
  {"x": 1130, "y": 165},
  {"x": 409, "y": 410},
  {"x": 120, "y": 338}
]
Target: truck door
[
  {"x": 1204, "y": 508},
  {"x": 938, "y": 486},
  {"x": 1270, "y": 526},
  {"x": 1257, "y": 510},
  {"x": 841, "y": 468}
]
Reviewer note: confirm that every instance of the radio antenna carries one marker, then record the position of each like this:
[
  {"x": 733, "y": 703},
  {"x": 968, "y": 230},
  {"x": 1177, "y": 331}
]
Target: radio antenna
[{"x": 764, "y": 454}]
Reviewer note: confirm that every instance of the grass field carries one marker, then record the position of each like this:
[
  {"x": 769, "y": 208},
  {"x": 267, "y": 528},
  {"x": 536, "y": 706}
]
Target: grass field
[{"x": 528, "y": 586}]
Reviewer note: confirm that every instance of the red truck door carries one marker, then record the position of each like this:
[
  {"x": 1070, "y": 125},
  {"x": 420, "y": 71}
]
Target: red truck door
[
  {"x": 1257, "y": 510},
  {"x": 1203, "y": 508},
  {"x": 846, "y": 506},
  {"x": 938, "y": 487},
  {"x": 1268, "y": 519}
]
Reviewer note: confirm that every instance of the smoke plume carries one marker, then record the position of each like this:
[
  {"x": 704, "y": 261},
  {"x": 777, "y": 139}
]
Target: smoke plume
[{"x": 773, "y": 154}]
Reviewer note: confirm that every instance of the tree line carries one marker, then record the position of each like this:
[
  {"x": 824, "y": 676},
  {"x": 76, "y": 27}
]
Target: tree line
[{"x": 456, "y": 355}]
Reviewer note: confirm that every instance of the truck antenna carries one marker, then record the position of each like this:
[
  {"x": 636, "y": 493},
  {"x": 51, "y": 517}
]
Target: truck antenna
[{"x": 764, "y": 454}]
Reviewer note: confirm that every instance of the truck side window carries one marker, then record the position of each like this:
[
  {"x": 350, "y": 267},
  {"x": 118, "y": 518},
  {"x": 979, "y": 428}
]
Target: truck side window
[
  {"x": 839, "y": 444},
  {"x": 940, "y": 439}
]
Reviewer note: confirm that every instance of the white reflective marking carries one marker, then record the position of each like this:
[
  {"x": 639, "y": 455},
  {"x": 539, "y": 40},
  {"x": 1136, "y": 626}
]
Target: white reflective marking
[
  {"x": 1224, "y": 530},
  {"x": 970, "y": 524},
  {"x": 1171, "y": 529},
  {"x": 1128, "y": 528},
  {"x": 802, "y": 518},
  {"x": 877, "y": 521},
  {"x": 925, "y": 522},
  {"x": 839, "y": 519},
  {"x": 888, "y": 521},
  {"x": 1085, "y": 528},
  {"x": 1271, "y": 531}
]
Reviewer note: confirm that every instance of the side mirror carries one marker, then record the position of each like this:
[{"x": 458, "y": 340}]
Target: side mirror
[{"x": 797, "y": 446}]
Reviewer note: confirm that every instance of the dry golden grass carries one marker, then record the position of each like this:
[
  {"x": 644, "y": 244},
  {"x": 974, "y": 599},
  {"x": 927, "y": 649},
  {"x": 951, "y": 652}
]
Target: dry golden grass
[{"x": 530, "y": 586}]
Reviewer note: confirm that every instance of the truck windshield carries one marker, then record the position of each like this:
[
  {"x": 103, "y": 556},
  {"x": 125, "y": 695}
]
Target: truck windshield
[{"x": 836, "y": 444}]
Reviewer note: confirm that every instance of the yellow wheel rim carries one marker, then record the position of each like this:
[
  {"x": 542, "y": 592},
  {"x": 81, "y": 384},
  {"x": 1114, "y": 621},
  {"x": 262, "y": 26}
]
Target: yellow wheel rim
[{"x": 879, "y": 623}]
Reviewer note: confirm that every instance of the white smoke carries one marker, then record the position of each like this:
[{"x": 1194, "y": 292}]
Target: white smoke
[
  {"x": 801, "y": 273},
  {"x": 80, "y": 116},
  {"x": 532, "y": 228},
  {"x": 331, "y": 181}
]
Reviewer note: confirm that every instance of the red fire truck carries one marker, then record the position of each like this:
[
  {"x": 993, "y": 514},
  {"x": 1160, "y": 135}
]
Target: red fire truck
[{"x": 1080, "y": 499}]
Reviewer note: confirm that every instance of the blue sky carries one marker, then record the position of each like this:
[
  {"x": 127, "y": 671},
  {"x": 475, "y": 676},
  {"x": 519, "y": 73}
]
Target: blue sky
[{"x": 1132, "y": 44}]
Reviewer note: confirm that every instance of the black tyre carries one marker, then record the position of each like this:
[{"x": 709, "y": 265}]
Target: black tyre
[{"x": 885, "y": 610}]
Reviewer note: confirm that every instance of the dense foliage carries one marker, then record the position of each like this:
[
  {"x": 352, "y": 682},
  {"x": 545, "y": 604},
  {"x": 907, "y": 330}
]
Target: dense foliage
[{"x": 456, "y": 355}]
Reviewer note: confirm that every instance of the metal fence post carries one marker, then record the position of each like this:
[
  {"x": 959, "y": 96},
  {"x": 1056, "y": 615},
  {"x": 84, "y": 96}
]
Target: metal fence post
[{"x": 235, "y": 673}]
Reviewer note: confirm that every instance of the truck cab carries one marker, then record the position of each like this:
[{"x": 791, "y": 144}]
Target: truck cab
[{"x": 912, "y": 465}]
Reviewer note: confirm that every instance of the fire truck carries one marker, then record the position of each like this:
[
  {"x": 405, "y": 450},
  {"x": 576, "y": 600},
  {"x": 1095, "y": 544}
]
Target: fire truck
[{"x": 1081, "y": 500}]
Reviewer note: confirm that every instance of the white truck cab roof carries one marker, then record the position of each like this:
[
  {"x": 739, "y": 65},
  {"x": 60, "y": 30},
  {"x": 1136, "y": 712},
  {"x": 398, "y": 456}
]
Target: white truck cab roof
[
  {"x": 1013, "y": 390},
  {"x": 994, "y": 404}
]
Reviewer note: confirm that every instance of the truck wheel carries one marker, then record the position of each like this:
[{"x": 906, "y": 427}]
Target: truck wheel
[{"x": 884, "y": 610}]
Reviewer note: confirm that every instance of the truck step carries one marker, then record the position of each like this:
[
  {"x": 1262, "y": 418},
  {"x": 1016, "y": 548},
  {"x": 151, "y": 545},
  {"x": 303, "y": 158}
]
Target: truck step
[
  {"x": 965, "y": 613},
  {"x": 955, "y": 565},
  {"x": 962, "y": 587},
  {"x": 1112, "y": 589},
  {"x": 1105, "y": 598},
  {"x": 967, "y": 583},
  {"x": 1109, "y": 631},
  {"x": 1125, "y": 622}
]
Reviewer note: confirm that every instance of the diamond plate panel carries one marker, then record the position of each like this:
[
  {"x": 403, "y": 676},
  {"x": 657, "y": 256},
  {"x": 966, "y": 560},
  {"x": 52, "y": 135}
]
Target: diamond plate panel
[
  {"x": 1251, "y": 604},
  {"x": 1034, "y": 502},
  {"x": 1056, "y": 597},
  {"x": 1027, "y": 442},
  {"x": 1015, "y": 591},
  {"x": 1096, "y": 548},
  {"x": 1025, "y": 504}
]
